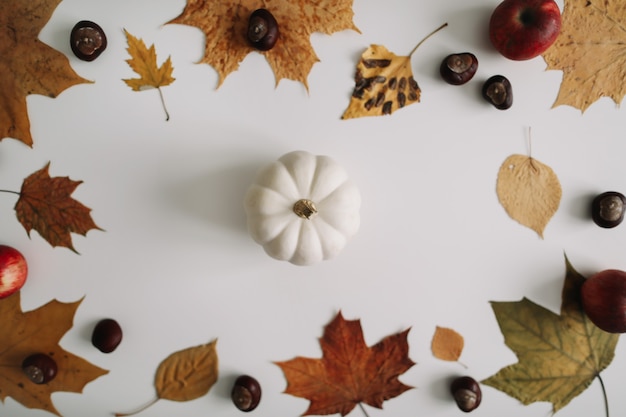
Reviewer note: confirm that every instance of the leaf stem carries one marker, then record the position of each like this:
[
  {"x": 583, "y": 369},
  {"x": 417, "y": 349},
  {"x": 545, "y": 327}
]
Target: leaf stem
[
  {"x": 9, "y": 191},
  {"x": 167, "y": 115},
  {"x": 137, "y": 411},
  {"x": 606, "y": 399},
  {"x": 426, "y": 38},
  {"x": 363, "y": 409}
]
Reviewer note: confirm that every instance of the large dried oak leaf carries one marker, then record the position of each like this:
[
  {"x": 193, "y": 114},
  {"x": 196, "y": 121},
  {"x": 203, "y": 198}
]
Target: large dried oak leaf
[
  {"x": 39, "y": 331},
  {"x": 225, "y": 23},
  {"x": 591, "y": 52},
  {"x": 45, "y": 204},
  {"x": 349, "y": 372},
  {"x": 559, "y": 355},
  {"x": 28, "y": 66}
]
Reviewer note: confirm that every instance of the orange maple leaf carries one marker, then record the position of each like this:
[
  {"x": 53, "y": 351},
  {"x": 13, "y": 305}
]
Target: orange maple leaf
[
  {"x": 225, "y": 25},
  {"x": 46, "y": 206},
  {"x": 39, "y": 331},
  {"x": 349, "y": 373},
  {"x": 28, "y": 66},
  {"x": 144, "y": 63}
]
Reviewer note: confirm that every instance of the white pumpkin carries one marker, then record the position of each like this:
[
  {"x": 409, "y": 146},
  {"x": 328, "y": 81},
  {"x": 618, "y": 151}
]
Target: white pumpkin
[{"x": 303, "y": 208}]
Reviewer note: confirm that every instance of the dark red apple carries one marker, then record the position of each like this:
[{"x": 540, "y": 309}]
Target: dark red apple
[
  {"x": 13, "y": 270},
  {"x": 604, "y": 300},
  {"x": 524, "y": 29}
]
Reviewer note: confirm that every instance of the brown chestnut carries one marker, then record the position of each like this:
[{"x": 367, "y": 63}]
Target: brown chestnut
[
  {"x": 262, "y": 30},
  {"x": 39, "y": 368},
  {"x": 497, "y": 90},
  {"x": 107, "y": 335},
  {"x": 466, "y": 393},
  {"x": 608, "y": 208},
  {"x": 87, "y": 40},
  {"x": 246, "y": 393},
  {"x": 457, "y": 69}
]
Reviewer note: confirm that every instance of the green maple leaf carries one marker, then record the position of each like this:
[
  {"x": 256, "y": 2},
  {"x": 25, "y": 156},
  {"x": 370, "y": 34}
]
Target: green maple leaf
[{"x": 559, "y": 355}]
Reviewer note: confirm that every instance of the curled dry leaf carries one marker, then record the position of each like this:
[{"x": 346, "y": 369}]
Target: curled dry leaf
[
  {"x": 225, "y": 25},
  {"x": 447, "y": 344},
  {"x": 45, "y": 204},
  {"x": 529, "y": 191},
  {"x": 349, "y": 372},
  {"x": 185, "y": 375},
  {"x": 590, "y": 52},
  {"x": 144, "y": 62},
  {"x": 559, "y": 355},
  {"x": 28, "y": 65},
  {"x": 25, "y": 333}
]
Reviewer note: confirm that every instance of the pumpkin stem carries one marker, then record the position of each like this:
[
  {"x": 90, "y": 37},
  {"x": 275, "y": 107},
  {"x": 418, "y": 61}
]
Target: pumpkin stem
[{"x": 305, "y": 208}]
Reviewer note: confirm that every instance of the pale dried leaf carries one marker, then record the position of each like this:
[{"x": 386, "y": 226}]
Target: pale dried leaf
[
  {"x": 529, "y": 191},
  {"x": 187, "y": 374},
  {"x": 590, "y": 52},
  {"x": 447, "y": 344}
]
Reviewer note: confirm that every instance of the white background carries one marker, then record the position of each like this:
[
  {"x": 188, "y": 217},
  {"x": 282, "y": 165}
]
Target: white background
[{"x": 177, "y": 268}]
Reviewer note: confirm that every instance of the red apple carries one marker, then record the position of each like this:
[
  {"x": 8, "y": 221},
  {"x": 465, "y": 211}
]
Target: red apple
[
  {"x": 604, "y": 300},
  {"x": 524, "y": 29},
  {"x": 13, "y": 270}
]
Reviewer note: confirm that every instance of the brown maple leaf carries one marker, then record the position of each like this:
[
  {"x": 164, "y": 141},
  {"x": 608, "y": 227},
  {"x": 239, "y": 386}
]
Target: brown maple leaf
[
  {"x": 225, "y": 25},
  {"x": 28, "y": 66},
  {"x": 39, "y": 331},
  {"x": 46, "y": 206},
  {"x": 590, "y": 50},
  {"x": 349, "y": 372}
]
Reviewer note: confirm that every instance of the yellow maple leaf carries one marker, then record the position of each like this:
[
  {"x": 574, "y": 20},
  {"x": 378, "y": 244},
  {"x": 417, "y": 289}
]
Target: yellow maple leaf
[
  {"x": 144, "y": 62},
  {"x": 224, "y": 24},
  {"x": 590, "y": 52}
]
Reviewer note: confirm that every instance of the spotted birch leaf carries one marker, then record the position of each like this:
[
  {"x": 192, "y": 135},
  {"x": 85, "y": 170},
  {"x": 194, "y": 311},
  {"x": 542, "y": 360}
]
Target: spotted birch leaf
[
  {"x": 144, "y": 62},
  {"x": 529, "y": 191},
  {"x": 185, "y": 375},
  {"x": 28, "y": 66},
  {"x": 591, "y": 52},
  {"x": 559, "y": 355},
  {"x": 349, "y": 372},
  {"x": 225, "y": 24},
  {"x": 447, "y": 344},
  {"x": 39, "y": 331},
  {"x": 45, "y": 205},
  {"x": 383, "y": 82}
]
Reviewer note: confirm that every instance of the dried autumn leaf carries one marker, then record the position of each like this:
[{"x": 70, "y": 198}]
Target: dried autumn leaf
[
  {"x": 25, "y": 333},
  {"x": 447, "y": 344},
  {"x": 384, "y": 82},
  {"x": 28, "y": 66},
  {"x": 590, "y": 52},
  {"x": 529, "y": 191},
  {"x": 45, "y": 204},
  {"x": 144, "y": 63},
  {"x": 185, "y": 375},
  {"x": 225, "y": 23},
  {"x": 559, "y": 355},
  {"x": 349, "y": 372}
]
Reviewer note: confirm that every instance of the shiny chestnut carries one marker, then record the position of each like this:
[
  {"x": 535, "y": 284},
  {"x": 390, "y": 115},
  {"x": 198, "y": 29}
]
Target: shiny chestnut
[
  {"x": 608, "y": 208},
  {"x": 262, "y": 31},
  {"x": 87, "y": 40},
  {"x": 107, "y": 335},
  {"x": 466, "y": 392},
  {"x": 246, "y": 393},
  {"x": 497, "y": 90},
  {"x": 40, "y": 368},
  {"x": 457, "y": 69}
]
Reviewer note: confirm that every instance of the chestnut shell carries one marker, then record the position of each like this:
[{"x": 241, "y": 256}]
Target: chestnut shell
[
  {"x": 262, "y": 32},
  {"x": 87, "y": 40}
]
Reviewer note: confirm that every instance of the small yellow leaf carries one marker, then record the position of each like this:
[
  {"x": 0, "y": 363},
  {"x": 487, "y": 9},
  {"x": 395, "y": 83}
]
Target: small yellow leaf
[
  {"x": 529, "y": 191},
  {"x": 187, "y": 374},
  {"x": 143, "y": 62},
  {"x": 383, "y": 83},
  {"x": 447, "y": 344}
]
